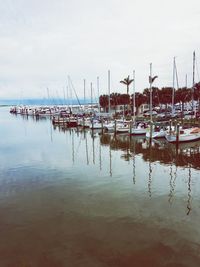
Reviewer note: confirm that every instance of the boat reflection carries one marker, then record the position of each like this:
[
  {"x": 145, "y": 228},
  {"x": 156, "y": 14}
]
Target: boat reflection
[
  {"x": 157, "y": 151},
  {"x": 98, "y": 150},
  {"x": 186, "y": 156}
]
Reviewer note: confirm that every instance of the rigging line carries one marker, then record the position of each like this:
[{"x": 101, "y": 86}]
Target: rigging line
[{"x": 74, "y": 91}]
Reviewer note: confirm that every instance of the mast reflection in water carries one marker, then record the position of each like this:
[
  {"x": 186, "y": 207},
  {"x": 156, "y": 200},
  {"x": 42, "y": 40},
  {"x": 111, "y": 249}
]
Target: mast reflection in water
[{"x": 70, "y": 197}]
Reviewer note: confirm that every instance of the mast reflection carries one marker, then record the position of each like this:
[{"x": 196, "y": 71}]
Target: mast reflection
[
  {"x": 172, "y": 183},
  {"x": 189, "y": 200},
  {"x": 130, "y": 148}
]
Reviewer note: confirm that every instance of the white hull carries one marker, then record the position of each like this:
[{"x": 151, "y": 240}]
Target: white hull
[
  {"x": 122, "y": 129},
  {"x": 138, "y": 131},
  {"x": 159, "y": 134},
  {"x": 187, "y": 136},
  {"x": 85, "y": 123},
  {"x": 110, "y": 127},
  {"x": 96, "y": 126}
]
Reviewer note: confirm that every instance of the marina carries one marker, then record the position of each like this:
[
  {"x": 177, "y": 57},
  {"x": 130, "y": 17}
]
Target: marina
[
  {"x": 99, "y": 133},
  {"x": 173, "y": 130}
]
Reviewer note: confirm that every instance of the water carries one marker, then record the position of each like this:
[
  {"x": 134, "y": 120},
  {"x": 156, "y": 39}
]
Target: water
[{"x": 73, "y": 198}]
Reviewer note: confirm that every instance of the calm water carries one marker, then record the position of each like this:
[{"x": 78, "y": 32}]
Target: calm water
[{"x": 80, "y": 199}]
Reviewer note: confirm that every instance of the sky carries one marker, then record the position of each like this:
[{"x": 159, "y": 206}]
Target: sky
[{"x": 44, "y": 42}]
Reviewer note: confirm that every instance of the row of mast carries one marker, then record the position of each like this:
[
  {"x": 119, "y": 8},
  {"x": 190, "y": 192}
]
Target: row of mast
[{"x": 175, "y": 80}]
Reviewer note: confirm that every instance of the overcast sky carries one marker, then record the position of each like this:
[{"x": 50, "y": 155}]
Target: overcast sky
[{"x": 44, "y": 41}]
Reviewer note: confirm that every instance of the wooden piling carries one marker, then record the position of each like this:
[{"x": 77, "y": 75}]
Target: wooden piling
[
  {"x": 151, "y": 130},
  {"x": 83, "y": 123},
  {"x": 177, "y": 133},
  {"x": 170, "y": 126},
  {"x": 92, "y": 124},
  {"x": 115, "y": 130},
  {"x": 130, "y": 126}
]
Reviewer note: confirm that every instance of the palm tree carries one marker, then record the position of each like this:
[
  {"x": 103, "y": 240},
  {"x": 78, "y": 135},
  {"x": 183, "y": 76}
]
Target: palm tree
[
  {"x": 183, "y": 95},
  {"x": 124, "y": 99},
  {"x": 127, "y": 81},
  {"x": 114, "y": 100},
  {"x": 166, "y": 96},
  {"x": 146, "y": 93},
  {"x": 155, "y": 96},
  {"x": 139, "y": 100},
  {"x": 103, "y": 101}
]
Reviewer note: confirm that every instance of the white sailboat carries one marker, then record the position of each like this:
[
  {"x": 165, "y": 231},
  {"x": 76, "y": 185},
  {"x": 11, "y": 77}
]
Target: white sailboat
[
  {"x": 123, "y": 128},
  {"x": 185, "y": 135},
  {"x": 140, "y": 128},
  {"x": 158, "y": 132}
]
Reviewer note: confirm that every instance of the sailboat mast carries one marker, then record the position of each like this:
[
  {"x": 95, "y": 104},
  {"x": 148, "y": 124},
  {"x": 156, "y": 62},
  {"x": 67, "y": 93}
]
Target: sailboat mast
[
  {"x": 84, "y": 86},
  {"x": 176, "y": 72},
  {"x": 91, "y": 94},
  {"x": 98, "y": 93},
  {"x": 134, "y": 96},
  {"x": 150, "y": 80},
  {"x": 173, "y": 85},
  {"x": 193, "y": 80},
  {"x": 109, "y": 92}
]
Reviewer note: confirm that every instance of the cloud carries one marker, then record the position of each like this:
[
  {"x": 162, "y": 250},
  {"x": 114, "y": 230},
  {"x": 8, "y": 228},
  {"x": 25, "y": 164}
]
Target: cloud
[{"x": 41, "y": 42}]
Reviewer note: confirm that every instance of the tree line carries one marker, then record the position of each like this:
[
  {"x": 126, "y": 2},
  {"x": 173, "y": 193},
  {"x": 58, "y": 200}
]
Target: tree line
[{"x": 160, "y": 97}]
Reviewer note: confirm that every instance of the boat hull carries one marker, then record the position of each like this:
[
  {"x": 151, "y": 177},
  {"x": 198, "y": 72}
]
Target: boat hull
[
  {"x": 182, "y": 138},
  {"x": 156, "y": 135},
  {"x": 137, "y": 131}
]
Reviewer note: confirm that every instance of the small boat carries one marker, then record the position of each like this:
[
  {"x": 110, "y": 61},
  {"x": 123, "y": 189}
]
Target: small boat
[
  {"x": 158, "y": 132},
  {"x": 185, "y": 135},
  {"x": 109, "y": 127},
  {"x": 123, "y": 128},
  {"x": 96, "y": 125},
  {"x": 85, "y": 123},
  {"x": 139, "y": 129}
]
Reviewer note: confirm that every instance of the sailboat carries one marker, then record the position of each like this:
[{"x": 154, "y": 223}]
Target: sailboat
[
  {"x": 139, "y": 128},
  {"x": 157, "y": 132},
  {"x": 185, "y": 135},
  {"x": 123, "y": 128}
]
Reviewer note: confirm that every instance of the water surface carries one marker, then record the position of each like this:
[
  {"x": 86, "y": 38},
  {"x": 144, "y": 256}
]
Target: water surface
[{"x": 77, "y": 198}]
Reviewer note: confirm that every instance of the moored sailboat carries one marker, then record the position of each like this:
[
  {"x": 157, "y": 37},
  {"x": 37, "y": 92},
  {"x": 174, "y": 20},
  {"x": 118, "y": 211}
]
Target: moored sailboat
[{"x": 184, "y": 135}]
